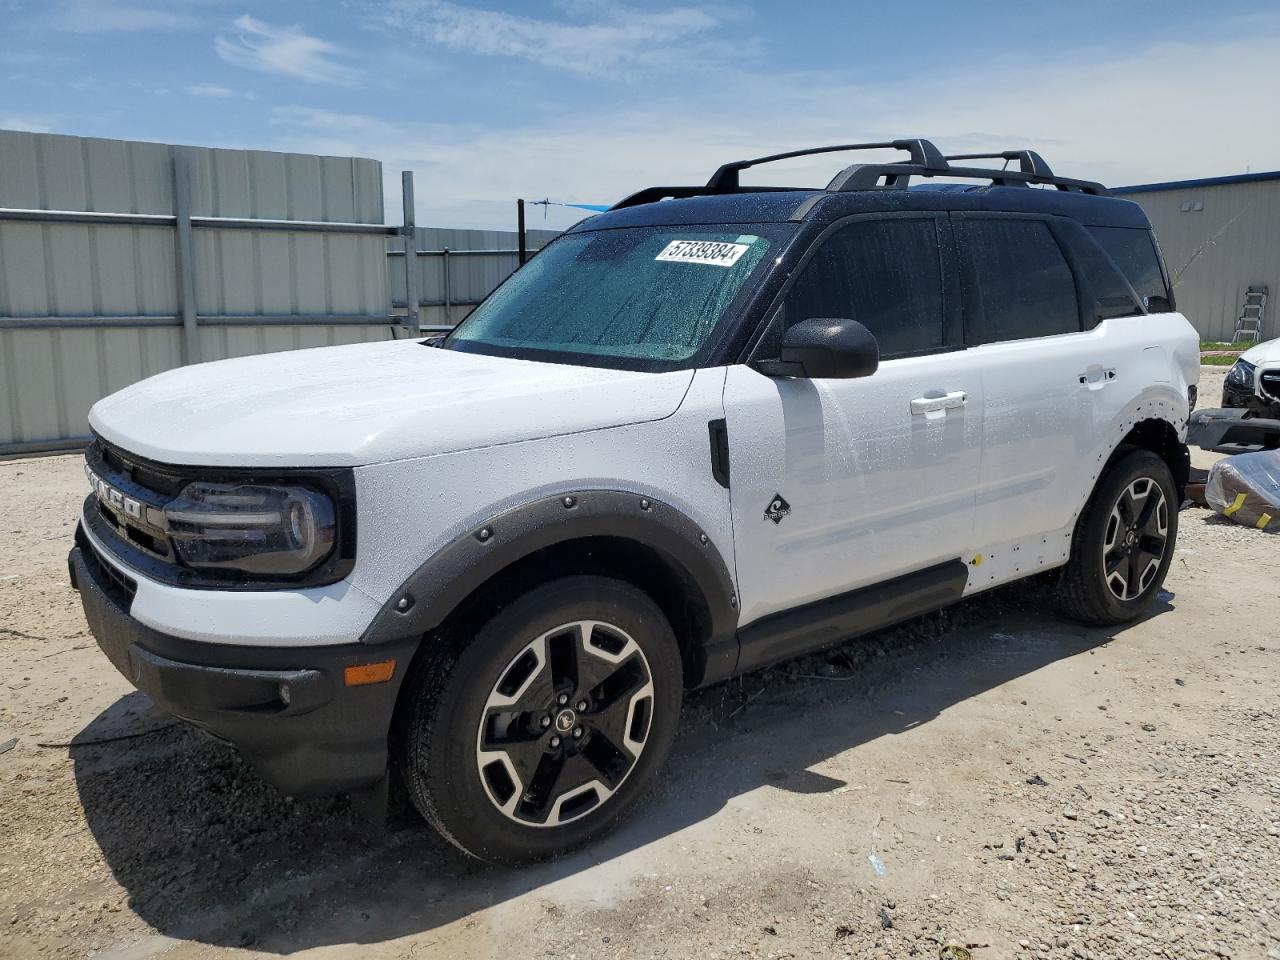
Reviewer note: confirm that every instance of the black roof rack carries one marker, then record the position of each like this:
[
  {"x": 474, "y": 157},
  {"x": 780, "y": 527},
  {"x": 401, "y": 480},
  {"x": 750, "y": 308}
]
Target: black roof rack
[
  {"x": 1028, "y": 160},
  {"x": 923, "y": 153},
  {"x": 926, "y": 160}
]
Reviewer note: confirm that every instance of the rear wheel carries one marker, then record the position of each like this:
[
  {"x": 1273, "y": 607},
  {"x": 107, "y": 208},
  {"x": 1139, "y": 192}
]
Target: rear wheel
[
  {"x": 1123, "y": 541},
  {"x": 548, "y": 724}
]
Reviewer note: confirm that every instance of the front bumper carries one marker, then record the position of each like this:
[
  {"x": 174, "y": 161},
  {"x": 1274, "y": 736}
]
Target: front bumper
[
  {"x": 1246, "y": 398},
  {"x": 1232, "y": 431},
  {"x": 287, "y": 709}
]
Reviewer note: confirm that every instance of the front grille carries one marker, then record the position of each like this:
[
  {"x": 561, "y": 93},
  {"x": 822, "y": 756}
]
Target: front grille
[
  {"x": 142, "y": 530},
  {"x": 1269, "y": 384},
  {"x": 114, "y": 583},
  {"x": 149, "y": 539},
  {"x": 122, "y": 464}
]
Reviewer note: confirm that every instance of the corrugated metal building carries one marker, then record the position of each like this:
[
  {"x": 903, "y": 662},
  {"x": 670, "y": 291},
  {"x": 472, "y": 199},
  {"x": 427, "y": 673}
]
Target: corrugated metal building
[{"x": 1219, "y": 237}]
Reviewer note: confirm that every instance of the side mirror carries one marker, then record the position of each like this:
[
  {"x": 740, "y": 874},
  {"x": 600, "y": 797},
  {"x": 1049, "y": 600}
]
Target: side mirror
[{"x": 825, "y": 349}]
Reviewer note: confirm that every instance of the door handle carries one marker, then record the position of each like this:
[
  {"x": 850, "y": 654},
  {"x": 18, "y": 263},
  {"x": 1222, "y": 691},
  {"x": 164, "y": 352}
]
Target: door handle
[
  {"x": 935, "y": 404},
  {"x": 1096, "y": 376}
]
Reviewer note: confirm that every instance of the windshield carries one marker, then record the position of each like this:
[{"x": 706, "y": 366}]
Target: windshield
[{"x": 639, "y": 297}]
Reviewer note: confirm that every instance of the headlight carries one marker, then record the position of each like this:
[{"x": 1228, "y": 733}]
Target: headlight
[
  {"x": 256, "y": 528},
  {"x": 1241, "y": 374}
]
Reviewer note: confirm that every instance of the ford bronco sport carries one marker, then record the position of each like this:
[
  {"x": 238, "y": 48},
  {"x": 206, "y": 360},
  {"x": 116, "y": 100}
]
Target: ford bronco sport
[{"x": 710, "y": 429}]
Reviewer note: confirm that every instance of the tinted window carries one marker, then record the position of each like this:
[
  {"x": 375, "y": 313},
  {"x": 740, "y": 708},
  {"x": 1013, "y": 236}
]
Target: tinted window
[
  {"x": 886, "y": 274},
  {"x": 1134, "y": 252},
  {"x": 1021, "y": 284},
  {"x": 1108, "y": 293}
]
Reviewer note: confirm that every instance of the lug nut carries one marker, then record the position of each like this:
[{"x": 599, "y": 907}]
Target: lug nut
[
  {"x": 577, "y": 733},
  {"x": 562, "y": 699},
  {"x": 582, "y": 706},
  {"x": 555, "y": 741},
  {"x": 545, "y": 722}
]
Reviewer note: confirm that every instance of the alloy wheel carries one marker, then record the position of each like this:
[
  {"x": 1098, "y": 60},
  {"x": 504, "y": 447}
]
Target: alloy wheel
[
  {"x": 565, "y": 723},
  {"x": 1136, "y": 539}
]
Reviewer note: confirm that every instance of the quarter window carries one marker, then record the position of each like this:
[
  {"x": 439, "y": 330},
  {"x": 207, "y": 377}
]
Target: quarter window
[
  {"x": 1020, "y": 283},
  {"x": 886, "y": 274},
  {"x": 1134, "y": 252}
]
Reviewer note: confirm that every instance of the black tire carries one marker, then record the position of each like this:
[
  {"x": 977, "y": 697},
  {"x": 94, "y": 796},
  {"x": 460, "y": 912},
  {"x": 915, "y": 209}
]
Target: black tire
[
  {"x": 450, "y": 690},
  {"x": 1088, "y": 591}
]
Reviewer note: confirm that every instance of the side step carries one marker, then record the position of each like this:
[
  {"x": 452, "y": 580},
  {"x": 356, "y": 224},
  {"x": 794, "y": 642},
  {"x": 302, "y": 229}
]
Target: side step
[{"x": 824, "y": 623}]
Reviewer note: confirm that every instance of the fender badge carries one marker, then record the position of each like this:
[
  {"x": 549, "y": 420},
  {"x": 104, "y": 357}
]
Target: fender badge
[{"x": 777, "y": 509}]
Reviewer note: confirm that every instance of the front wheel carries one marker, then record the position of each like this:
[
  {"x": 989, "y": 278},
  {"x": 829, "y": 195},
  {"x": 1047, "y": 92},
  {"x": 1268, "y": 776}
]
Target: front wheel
[
  {"x": 545, "y": 727},
  {"x": 1123, "y": 542}
]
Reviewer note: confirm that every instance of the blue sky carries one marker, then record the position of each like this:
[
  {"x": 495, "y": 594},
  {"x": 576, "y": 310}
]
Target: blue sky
[{"x": 587, "y": 100}]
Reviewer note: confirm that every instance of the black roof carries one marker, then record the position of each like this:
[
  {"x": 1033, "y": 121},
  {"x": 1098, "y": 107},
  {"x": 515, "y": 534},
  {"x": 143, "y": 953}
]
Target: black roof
[
  {"x": 820, "y": 206},
  {"x": 876, "y": 187}
]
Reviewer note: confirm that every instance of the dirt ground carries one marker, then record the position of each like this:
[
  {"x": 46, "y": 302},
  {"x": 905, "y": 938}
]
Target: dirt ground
[{"x": 993, "y": 776}]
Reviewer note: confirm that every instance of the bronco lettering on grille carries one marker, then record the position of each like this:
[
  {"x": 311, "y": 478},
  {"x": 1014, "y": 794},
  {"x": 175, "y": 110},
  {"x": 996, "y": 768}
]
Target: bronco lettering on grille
[{"x": 112, "y": 497}]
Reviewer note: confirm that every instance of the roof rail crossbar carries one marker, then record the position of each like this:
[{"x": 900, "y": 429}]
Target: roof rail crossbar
[
  {"x": 896, "y": 176},
  {"x": 923, "y": 153},
  {"x": 654, "y": 194},
  {"x": 1028, "y": 160}
]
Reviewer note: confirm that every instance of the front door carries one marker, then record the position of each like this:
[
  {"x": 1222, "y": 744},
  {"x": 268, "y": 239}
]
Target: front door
[{"x": 839, "y": 484}]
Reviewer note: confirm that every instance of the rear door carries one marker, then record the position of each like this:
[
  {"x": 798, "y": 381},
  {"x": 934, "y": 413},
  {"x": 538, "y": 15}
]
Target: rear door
[
  {"x": 839, "y": 484},
  {"x": 1053, "y": 382}
]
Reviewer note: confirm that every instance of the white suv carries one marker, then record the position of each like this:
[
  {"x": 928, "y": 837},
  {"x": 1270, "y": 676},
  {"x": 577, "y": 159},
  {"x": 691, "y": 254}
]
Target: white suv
[{"x": 708, "y": 430}]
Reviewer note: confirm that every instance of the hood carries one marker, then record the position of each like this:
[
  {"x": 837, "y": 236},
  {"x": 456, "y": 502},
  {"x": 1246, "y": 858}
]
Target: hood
[
  {"x": 369, "y": 403},
  {"x": 1265, "y": 354}
]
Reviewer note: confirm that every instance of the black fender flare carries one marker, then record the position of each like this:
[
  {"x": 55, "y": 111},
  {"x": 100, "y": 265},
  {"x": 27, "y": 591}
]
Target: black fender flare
[{"x": 426, "y": 599}]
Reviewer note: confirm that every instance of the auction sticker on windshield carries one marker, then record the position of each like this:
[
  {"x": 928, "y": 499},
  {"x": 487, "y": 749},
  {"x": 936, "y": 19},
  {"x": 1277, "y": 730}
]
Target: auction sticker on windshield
[{"x": 702, "y": 251}]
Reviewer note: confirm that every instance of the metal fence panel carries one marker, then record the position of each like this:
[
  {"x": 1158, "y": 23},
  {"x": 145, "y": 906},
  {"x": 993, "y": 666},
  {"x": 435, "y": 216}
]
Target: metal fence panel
[
  {"x": 89, "y": 307},
  {"x": 478, "y": 260},
  {"x": 50, "y": 378}
]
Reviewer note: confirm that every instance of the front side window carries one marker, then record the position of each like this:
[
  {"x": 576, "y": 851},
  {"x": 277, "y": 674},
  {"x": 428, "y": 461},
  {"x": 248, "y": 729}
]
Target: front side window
[
  {"x": 1134, "y": 252},
  {"x": 886, "y": 274},
  {"x": 642, "y": 298},
  {"x": 1020, "y": 283}
]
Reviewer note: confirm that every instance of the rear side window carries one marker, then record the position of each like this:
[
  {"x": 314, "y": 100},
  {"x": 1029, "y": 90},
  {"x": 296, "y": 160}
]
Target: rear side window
[
  {"x": 1020, "y": 283},
  {"x": 886, "y": 274},
  {"x": 1134, "y": 252}
]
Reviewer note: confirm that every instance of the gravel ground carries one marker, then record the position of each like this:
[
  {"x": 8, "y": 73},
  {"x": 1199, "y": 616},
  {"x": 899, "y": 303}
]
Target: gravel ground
[{"x": 993, "y": 776}]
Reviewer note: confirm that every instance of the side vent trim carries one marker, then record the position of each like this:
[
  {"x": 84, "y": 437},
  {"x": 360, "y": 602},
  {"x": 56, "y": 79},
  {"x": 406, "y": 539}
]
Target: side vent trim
[{"x": 719, "y": 432}]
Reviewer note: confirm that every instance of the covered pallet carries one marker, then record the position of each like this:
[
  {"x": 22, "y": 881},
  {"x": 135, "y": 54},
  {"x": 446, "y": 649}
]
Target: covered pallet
[{"x": 1246, "y": 488}]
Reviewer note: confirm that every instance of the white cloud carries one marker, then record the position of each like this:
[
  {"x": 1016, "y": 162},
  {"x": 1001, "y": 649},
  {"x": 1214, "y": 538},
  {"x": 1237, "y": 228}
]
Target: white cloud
[
  {"x": 209, "y": 90},
  {"x": 1160, "y": 113},
  {"x": 286, "y": 51},
  {"x": 601, "y": 38}
]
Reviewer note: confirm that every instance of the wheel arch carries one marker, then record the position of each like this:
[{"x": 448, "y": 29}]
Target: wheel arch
[
  {"x": 1160, "y": 437},
  {"x": 644, "y": 541}
]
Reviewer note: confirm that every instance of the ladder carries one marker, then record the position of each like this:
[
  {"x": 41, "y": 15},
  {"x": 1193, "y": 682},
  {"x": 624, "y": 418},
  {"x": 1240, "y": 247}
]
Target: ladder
[{"x": 1249, "y": 323}]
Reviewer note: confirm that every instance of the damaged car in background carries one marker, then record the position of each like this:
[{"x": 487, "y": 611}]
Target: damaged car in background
[{"x": 1249, "y": 418}]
